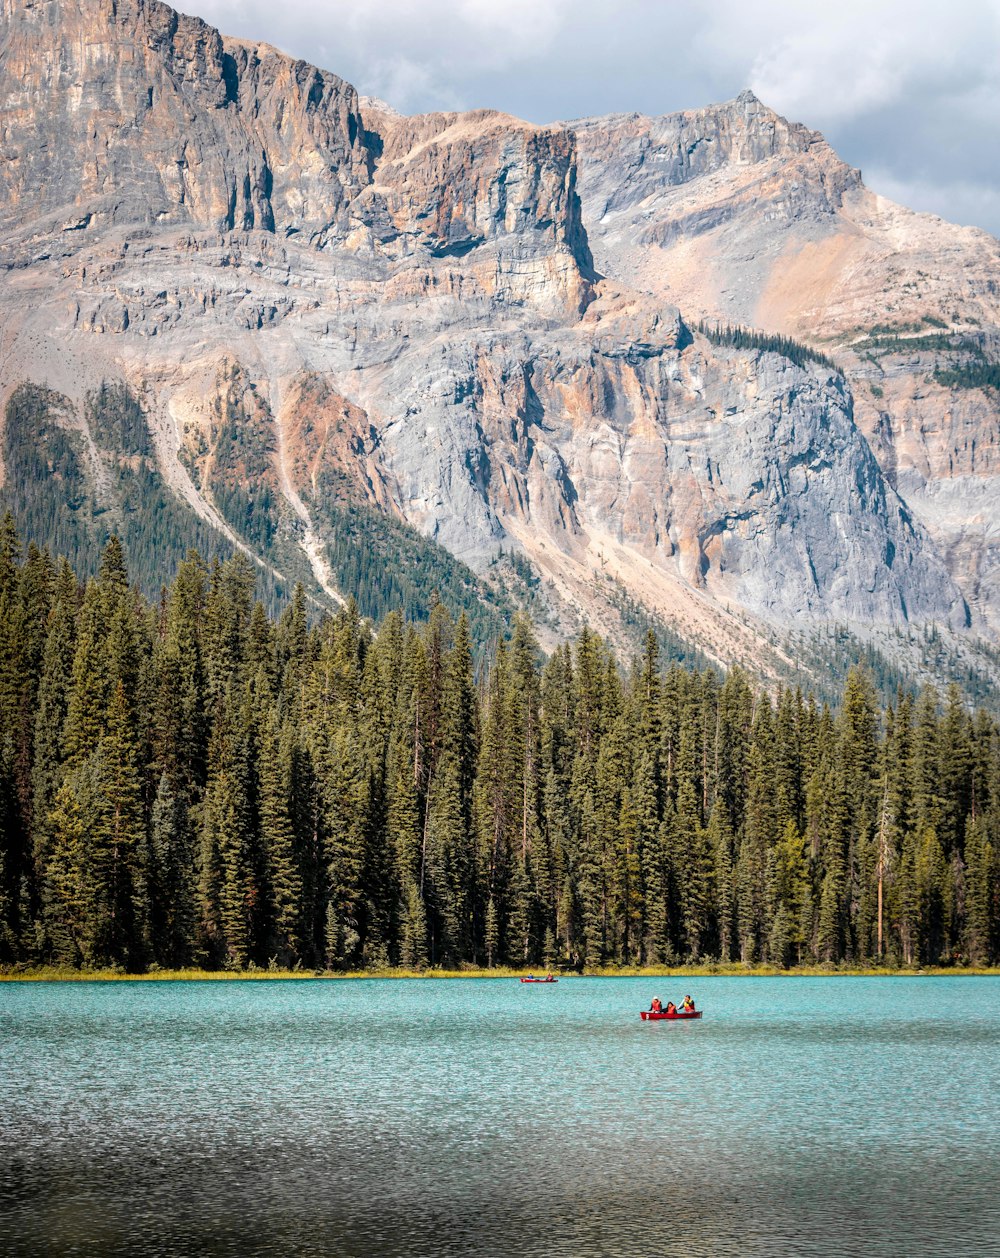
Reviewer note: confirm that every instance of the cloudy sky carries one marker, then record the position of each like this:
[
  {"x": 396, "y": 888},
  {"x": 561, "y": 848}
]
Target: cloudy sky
[{"x": 908, "y": 90}]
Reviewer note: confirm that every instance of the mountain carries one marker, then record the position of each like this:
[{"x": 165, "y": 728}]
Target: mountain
[
  {"x": 242, "y": 307},
  {"x": 743, "y": 218}
]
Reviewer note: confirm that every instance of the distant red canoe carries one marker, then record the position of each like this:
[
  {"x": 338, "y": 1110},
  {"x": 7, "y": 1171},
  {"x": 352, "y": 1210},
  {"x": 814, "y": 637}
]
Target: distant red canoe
[
  {"x": 539, "y": 980},
  {"x": 647, "y": 1016}
]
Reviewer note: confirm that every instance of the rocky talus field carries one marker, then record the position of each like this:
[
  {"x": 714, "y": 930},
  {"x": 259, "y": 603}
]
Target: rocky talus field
[{"x": 345, "y": 341}]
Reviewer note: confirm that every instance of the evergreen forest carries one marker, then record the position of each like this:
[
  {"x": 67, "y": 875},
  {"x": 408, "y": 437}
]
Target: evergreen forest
[
  {"x": 750, "y": 338},
  {"x": 56, "y": 500},
  {"x": 191, "y": 781}
]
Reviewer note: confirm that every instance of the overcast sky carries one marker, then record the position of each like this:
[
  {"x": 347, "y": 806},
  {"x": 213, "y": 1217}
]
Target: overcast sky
[{"x": 909, "y": 90}]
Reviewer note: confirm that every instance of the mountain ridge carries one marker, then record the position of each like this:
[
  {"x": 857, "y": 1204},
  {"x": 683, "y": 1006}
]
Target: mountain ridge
[{"x": 426, "y": 321}]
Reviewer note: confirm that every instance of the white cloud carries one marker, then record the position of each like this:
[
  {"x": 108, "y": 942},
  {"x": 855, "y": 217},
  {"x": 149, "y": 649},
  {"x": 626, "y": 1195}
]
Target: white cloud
[
  {"x": 401, "y": 82},
  {"x": 859, "y": 56},
  {"x": 427, "y": 55},
  {"x": 959, "y": 201}
]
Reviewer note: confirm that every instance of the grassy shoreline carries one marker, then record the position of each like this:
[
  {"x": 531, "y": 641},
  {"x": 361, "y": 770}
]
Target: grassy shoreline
[{"x": 55, "y": 974}]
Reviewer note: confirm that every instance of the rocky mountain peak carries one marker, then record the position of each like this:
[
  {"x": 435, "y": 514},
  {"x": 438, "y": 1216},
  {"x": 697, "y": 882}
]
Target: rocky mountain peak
[{"x": 628, "y": 159}]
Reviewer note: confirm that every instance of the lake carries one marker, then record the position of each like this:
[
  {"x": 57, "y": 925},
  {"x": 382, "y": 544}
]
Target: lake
[{"x": 379, "y": 1117}]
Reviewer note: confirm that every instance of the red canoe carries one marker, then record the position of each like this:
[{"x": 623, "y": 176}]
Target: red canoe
[
  {"x": 647, "y": 1016},
  {"x": 539, "y": 980}
]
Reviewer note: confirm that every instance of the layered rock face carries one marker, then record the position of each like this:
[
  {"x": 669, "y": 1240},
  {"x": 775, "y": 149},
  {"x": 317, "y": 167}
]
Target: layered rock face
[
  {"x": 132, "y": 113},
  {"x": 405, "y": 314},
  {"x": 741, "y": 217}
]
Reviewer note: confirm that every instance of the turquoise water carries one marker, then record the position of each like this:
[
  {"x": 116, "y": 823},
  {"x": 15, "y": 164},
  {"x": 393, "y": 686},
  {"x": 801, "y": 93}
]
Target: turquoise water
[{"x": 798, "y": 1116}]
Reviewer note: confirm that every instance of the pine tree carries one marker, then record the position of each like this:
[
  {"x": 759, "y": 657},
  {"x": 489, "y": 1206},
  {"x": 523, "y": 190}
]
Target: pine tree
[
  {"x": 225, "y": 874},
  {"x": 831, "y": 926},
  {"x": 591, "y": 885},
  {"x": 492, "y": 934},
  {"x": 982, "y": 896},
  {"x": 226, "y": 626},
  {"x": 119, "y": 908},
  {"x": 788, "y": 784},
  {"x": 65, "y": 903},
  {"x": 53, "y": 704},
  {"x": 497, "y": 805},
  {"x": 284, "y": 878},
  {"x": 858, "y": 780},
  {"x": 720, "y": 839},
  {"x": 732, "y": 746},
  {"x": 904, "y": 904},
  {"x": 291, "y": 648},
  {"x": 627, "y": 888},
  {"x": 180, "y": 720},
  {"x": 25, "y": 599},
  {"x": 828, "y": 846},
  {"x": 447, "y": 881},
  {"x": 693, "y": 874},
  {"x": 955, "y": 764},
  {"x": 404, "y": 829},
  {"x": 230, "y": 891},
  {"x": 9, "y": 827},
  {"x": 332, "y": 946},
  {"x": 931, "y": 877},
  {"x": 758, "y": 835},
  {"x": 347, "y": 799},
  {"x": 171, "y": 880},
  {"x": 89, "y": 690},
  {"x": 523, "y": 721},
  {"x": 414, "y": 945},
  {"x": 790, "y": 894},
  {"x": 925, "y": 761}
]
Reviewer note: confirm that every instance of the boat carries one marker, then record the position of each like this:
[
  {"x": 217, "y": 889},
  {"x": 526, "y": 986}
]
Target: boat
[
  {"x": 648, "y": 1016},
  {"x": 550, "y": 979}
]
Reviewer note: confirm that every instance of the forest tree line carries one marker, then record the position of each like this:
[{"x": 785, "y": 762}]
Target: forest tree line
[{"x": 193, "y": 782}]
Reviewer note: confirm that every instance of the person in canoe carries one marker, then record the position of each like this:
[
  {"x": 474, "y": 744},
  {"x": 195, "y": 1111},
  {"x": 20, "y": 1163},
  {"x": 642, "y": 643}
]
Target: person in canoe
[
  {"x": 688, "y": 1005},
  {"x": 671, "y": 1007},
  {"x": 656, "y": 1006}
]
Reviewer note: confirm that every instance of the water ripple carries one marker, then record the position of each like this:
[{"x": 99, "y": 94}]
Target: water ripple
[{"x": 824, "y": 1117}]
